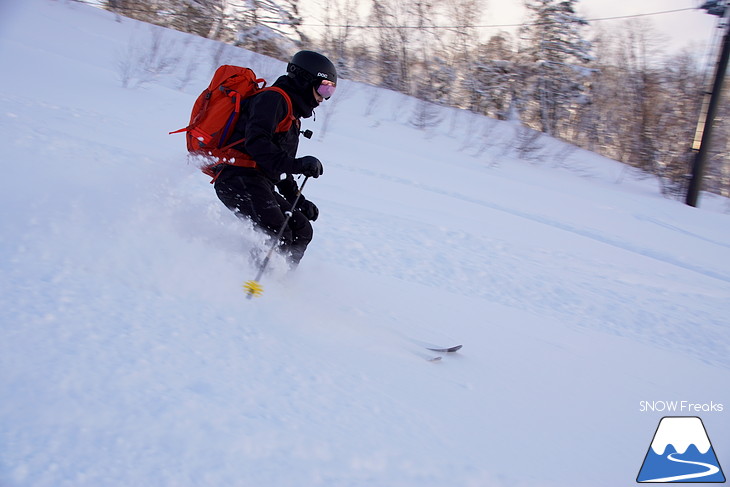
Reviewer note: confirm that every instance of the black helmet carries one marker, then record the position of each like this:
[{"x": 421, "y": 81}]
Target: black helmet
[{"x": 312, "y": 66}]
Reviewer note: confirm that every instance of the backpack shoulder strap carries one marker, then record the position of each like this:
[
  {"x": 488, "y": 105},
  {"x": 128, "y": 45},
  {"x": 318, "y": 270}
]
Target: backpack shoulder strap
[{"x": 285, "y": 124}]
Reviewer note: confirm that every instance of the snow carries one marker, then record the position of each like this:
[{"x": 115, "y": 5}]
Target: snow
[
  {"x": 688, "y": 430},
  {"x": 130, "y": 356}
]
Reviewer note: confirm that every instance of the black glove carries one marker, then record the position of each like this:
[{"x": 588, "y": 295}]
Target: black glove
[
  {"x": 309, "y": 210},
  {"x": 309, "y": 166}
]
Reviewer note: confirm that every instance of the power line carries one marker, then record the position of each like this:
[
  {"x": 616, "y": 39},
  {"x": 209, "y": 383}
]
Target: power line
[
  {"x": 642, "y": 15},
  {"x": 433, "y": 27},
  {"x": 492, "y": 26}
]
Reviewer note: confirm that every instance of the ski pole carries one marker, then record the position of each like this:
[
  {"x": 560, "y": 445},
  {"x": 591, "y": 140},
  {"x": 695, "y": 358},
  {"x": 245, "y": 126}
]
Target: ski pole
[{"x": 253, "y": 288}]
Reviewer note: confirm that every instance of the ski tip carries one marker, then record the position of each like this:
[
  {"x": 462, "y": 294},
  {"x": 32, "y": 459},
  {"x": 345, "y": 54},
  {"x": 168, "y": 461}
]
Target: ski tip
[
  {"x": 253, "y": 289},
  {"x": 446, "y": 349}
]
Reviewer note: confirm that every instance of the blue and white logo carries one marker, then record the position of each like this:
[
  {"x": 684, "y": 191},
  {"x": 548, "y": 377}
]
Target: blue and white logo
[{"x": 680, "y": 452}]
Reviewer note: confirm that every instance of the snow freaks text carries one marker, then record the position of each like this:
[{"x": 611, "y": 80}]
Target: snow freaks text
[{"x": 683, "y": 407}]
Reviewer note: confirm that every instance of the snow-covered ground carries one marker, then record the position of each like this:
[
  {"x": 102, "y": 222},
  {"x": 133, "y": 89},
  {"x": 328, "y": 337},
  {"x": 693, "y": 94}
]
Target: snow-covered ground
[{"x": 129, "y": 355}]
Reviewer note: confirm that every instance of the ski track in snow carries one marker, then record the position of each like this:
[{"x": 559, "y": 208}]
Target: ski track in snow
[
  {"x": 525, "y": 276},
  {"x": 580, "y": 231}
]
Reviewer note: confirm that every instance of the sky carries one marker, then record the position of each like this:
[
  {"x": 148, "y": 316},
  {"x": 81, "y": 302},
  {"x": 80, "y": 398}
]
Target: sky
[{"x": 681, "y": 28}]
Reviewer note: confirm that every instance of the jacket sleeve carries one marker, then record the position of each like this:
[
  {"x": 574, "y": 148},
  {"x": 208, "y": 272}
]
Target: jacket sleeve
[
  {"x": 288, "y": 188},
  {"x": 265, "y": 111}
]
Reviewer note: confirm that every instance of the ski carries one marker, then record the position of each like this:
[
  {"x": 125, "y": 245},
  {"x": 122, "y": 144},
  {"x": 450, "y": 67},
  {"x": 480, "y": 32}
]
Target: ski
[{"x": 446, "y": 349}]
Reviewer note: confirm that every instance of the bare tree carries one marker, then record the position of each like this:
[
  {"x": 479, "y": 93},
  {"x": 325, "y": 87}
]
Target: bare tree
[
  {"x": 145, "y": 59},
  {"x": 464, "y": 42},
  {"x": 340, "y": 17},
  {"x": 394, "y": 44}
]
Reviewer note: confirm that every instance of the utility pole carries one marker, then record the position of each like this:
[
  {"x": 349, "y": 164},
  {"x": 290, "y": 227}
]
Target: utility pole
[{"x": 702, "y": 146}]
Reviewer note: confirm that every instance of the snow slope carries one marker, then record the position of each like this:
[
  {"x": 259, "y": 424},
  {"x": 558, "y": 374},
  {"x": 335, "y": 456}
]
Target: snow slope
[{"x": 130, "y": 356}]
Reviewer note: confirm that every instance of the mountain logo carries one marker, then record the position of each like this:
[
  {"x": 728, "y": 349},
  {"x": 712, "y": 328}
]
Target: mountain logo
[{"x": 680, "y": 452}]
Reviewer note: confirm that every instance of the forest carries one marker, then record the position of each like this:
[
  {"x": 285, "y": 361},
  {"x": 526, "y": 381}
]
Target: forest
[{"x": 614, "y": 91}]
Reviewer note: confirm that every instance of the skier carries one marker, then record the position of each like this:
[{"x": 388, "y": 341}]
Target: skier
[{"x": 265, "y": 192}]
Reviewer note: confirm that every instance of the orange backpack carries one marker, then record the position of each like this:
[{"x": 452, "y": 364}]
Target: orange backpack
[{"x": 216, "y": 112}]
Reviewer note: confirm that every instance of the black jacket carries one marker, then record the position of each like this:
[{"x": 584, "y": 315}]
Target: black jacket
[{"x": 274, "y": 153}]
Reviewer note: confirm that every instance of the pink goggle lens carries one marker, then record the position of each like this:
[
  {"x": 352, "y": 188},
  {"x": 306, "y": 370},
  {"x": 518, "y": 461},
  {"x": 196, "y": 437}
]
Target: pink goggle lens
[{"x": 326, "y": 88}]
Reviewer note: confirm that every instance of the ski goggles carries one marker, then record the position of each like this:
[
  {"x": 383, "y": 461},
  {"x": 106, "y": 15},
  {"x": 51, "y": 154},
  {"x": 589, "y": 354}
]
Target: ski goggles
[{"x": 326, "y": 89}]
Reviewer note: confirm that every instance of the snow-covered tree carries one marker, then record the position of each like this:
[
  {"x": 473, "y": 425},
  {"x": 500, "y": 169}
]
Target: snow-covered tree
[
  {"x": 491, "y": 78},
  {"x": 556, "y": 55}
]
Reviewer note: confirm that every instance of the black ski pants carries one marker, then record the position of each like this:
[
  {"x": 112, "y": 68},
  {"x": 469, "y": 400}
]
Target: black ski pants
[{"x": 252, "y": 195}]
